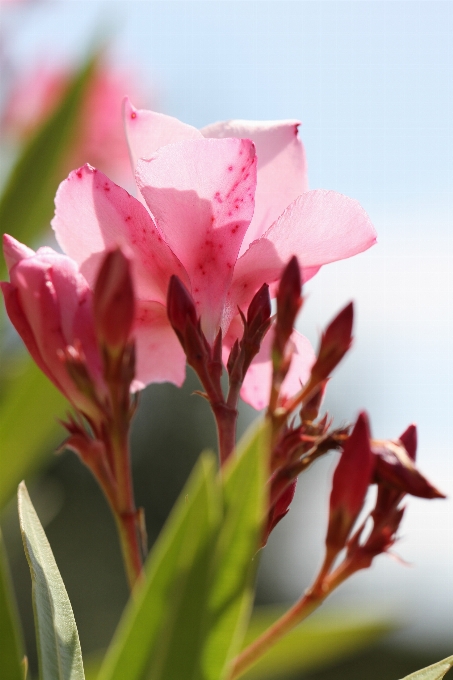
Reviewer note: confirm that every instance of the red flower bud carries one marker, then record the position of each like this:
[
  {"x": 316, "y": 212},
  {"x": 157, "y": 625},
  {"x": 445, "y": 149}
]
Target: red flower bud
[
  {"x": 394, "y": 468},
  {"x": 289, "y": 301},
  {"x": 113, "y": 301},
  {"x": 279, "y": 510},
  {"x": 409, "y": 440},
  {"x": 259, "y": 311},
  {"x": 181, "y": 309},
  {"x": 350, "y": 483},
  {"x": 335, "y": 342}
]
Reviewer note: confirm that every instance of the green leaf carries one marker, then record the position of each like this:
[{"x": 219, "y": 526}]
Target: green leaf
[
  {"x": 435, "y": 672},
  {"x": 60, "y": 657},
  {"x": 26, "y": 205},
  {"x": 244, "y": 488},
  {"x": 320, "y": 641},
  {"x": 188, "y": 618},
  {"x": 28, "y": 423},
  {"x": 10, "y": 637}
]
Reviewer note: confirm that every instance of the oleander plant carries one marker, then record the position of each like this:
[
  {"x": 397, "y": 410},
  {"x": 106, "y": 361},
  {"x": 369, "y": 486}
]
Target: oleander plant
[{"x": 202, "y": 265}]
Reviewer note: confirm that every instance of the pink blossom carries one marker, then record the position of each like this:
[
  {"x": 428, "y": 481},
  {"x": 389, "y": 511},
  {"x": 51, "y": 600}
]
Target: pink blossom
[
  {"x": 224, "y": 209},
  {"x": 100, "y": 139},
  {"x": 50, "y": 304}
]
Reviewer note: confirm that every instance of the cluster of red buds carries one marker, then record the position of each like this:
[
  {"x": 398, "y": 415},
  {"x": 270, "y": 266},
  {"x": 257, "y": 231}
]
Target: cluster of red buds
[
  {"x": 206, "y": 359},
  {"x": 298, "y": 443}
]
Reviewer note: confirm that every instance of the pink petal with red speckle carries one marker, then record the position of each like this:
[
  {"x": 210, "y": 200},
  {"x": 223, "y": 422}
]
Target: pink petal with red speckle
[
  {"x": 93, "y": 214},
  {"x": 201, "y": 194},
  {"x": 282, "y": 169},
  {"x": 147, "y": 131},
  {"x": 318, "y": 227},
  {"x": 257, "y": 383},
  {"x": 160, "y": 357}
]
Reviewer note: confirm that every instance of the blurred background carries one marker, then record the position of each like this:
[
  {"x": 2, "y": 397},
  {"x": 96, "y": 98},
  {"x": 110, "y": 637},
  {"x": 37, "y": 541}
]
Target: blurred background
[{"x": 372, "y": 84}]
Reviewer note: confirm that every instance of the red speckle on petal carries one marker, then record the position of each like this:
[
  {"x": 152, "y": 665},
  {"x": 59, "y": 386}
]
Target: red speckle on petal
[
  {"x": 230, "y": 168},
  {"x": 128, "y": 218},
  {"x": 79, "y": 174},
  {"x": 217, "y": 197},
  {"x": 133, "y": 114}
]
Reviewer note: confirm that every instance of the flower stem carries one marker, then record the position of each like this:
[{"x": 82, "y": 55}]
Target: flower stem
[
  {"x": 226, "y": 420},
  {"x": 126, "y": 515},
  {"x": 312, "y": 599}
]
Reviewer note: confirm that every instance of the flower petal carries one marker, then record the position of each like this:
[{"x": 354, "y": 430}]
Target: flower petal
[
  {"x": 282, "y": 169},
  {"x": 15, "y": 251},
  {"x": 93, "y": 215},
  {"x": 201, "y": 194},
  {"x": 318, "y": 227},
  {"x": 51, "y": 309},
  {"x": 160, "y": 357},
  {"x": 147, "y": 131},
  {"x": 257, "y": 384}
]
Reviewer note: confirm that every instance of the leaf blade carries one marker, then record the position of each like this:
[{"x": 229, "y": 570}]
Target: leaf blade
[
  {"x": 60, "y": 656},
  {"x": 435, "y": 672},
  {"x": 194, "y": 635},
  {"x": 28, "y": 422},
  {"x": 317, "y": 643},
  {"x": 26, "y": 203},
  {"x": 10, "y": 637},
  {"x": 130, "y": 653}
]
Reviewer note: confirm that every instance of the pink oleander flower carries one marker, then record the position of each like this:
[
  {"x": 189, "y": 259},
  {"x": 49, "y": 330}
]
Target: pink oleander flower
[
  {"x": 51, "y": 306},
  {"x": 223, "y": 209},
  {"x": 100, "y": 140}
]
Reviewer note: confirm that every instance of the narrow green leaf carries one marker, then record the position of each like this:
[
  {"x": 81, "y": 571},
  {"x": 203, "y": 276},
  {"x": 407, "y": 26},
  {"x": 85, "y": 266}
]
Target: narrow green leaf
[
  {"x": 141, "y": 643},
  {"x": 435, "y": 672},
  {"x": 28, "y": 422},
  {"x": 26, "y": 205},
  {"x": 244, "y": 487},
  {"x": 189, "y": 617},
  {"x": 11, "y": 652},
  {"x": 318, "y": 642},
  {"x": 60, "y": 656}
]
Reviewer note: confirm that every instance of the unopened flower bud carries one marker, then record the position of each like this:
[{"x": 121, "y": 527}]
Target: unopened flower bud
[
  {"x": 394, "y": 468},
  {"x": 289, "y": 301},
  {"x": 113, "y": 301},
  {"x": 309, "y": 412},
  {"x": 350, "y": 483},
  {"x": 259, "y": 311},
  {"x": 335, "y": 342},
  {"x": 181, "y": 308},
  {"x": 409, "y": 440},
  {"x": 279, "y": 510}
]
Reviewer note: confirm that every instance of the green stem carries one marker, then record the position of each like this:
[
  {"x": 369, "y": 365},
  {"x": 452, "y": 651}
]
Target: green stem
[
  {"x": 313, "y": 598},
  {"x": 126, "y": 514}
]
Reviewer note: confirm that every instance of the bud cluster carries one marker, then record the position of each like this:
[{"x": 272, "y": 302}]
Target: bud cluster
[
  {"x": 363, "y": 462},
  {"x": 206, "y": 359}
]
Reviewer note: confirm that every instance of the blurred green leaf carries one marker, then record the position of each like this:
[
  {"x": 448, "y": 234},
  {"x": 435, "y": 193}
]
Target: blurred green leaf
[
  {"x": 435, "y": 672},
  {"x": 10, "y": 639},
  {"x": 26, "y": 205},
  {"x": 60, "y": 656},
  {"x": 318, "y": 642},
  {"x": 28, "y": 422},
  {"x": 188, "y": 619}
]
